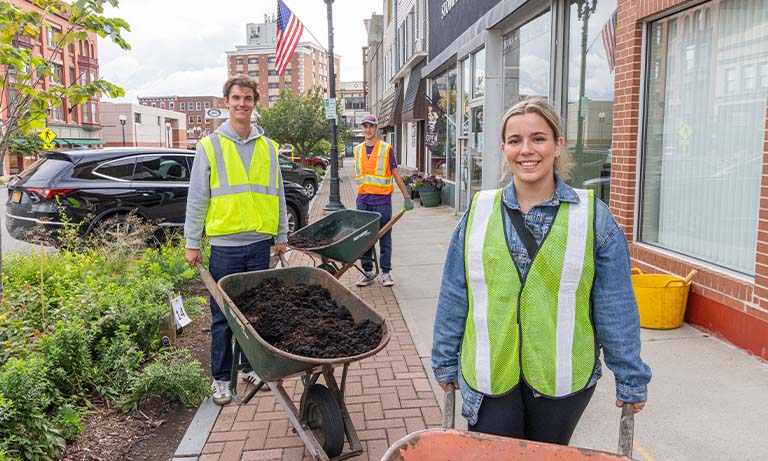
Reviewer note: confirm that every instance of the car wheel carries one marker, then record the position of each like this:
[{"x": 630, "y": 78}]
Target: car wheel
[
  {"x": 123, "y": 230},
  {"x": 293, "y": 220},
  {"x": 311, "y": 188}
]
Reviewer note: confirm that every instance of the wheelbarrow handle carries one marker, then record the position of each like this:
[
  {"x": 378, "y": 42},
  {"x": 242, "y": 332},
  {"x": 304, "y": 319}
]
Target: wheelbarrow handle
[
  {"x": 283, "y": 261},
  {"x": 449, "y": 405},
  {"x": 210, "y": 284},
  {"x": 626, "y": 429}
]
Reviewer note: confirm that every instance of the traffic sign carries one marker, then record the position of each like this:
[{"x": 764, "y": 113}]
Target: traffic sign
[
  {"x": 47, "y": 135},
  {"x": 330, "y": 108},
  {"x": 48, "y": 146}
]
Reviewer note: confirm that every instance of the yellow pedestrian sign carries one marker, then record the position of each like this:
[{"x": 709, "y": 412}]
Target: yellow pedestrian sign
[{"x": 48, "y": 136}]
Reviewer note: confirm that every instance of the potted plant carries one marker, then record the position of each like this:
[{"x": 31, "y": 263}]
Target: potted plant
[{"x": 429, "y": 189}]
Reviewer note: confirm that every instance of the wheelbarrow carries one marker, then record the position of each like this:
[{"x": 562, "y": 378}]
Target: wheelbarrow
[
  {"x": 322, "y": 420},
  {"x": 350, "y": 234},
  {"x": 448, "y": 444}
]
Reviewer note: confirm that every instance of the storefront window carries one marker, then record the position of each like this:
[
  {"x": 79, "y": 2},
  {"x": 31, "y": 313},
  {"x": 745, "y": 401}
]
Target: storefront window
[
  {"x": 478, "y": 74},
  {"x": 590, "y": 93},
  {"x": 705, "y": 133},
  {"x": 441, "y": 126},
  {"x": 526, "y": 57}
]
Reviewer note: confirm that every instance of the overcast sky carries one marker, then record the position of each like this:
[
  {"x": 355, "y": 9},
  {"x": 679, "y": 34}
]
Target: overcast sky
[{"x": 178, "y": 47}]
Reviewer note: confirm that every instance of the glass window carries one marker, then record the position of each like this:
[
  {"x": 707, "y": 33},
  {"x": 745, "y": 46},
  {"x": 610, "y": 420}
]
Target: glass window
[
  {"x": 441, "y": 126},
  {"x": 253, "y": 60},
  {"x": 162, "y": 105},
  {"x": 161, "y": 168},
  {"x": 253, "y": 73},
  {"x": 703, "y": 150},
  {"x": 182, "y": 106},
  {"x": 197, "y": 105},
  {"x": 137, "y": 118},
  {"x": 121, "y": 169},
  {"x": 191, "y": 119},
  {"x": 478, "y": 73},
  {"x": 526, "y": 58},
  {"x": 273, "y": 86},
  {"x": 207, "y": 104},
  {"x": 273, "y": 73},
  {"x": 589, "y": 116},
  {"x": 238, "y": 61},
  {"x": 271, "y": 60}
]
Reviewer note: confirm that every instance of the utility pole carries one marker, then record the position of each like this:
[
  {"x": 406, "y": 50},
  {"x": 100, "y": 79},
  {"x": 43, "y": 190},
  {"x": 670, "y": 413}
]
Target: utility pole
[
  {"x": 334, "y": 201},
  {"x": 585, "y": 11}
]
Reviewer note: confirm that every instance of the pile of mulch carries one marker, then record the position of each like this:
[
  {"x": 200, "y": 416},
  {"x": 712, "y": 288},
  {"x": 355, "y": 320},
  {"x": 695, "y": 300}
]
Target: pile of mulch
[
  {"x": 308, "y": 241},
  {"x": 304, "y": 320}
]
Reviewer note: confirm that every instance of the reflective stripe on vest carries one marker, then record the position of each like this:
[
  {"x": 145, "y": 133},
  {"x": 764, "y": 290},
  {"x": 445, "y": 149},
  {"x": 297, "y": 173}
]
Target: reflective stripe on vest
[
  {"x": 544, "y": 323},
  {"x": 372, "y": 173},
  {"x": 242, "y": 201}
]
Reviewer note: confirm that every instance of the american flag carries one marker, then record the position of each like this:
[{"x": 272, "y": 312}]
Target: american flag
[
  {"x": 609, "y": 40},
  {"x": 289, "y": 30}
]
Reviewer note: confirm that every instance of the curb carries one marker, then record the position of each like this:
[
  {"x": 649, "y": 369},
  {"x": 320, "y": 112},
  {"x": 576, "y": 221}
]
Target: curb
[{"x": 199, "y": 429}]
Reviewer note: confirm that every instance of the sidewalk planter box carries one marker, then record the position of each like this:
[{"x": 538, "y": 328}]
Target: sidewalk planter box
[
  {"x": 661, "y": 299},
  {"x": 429, "y": 195}
]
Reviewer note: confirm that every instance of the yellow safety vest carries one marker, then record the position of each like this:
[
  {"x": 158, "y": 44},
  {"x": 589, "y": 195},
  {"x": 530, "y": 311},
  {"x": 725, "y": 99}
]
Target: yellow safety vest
[
  {"x": 242, "y": 201},
  {"x": 372, "y": 173},
  {"x": 539, "y": 328}
]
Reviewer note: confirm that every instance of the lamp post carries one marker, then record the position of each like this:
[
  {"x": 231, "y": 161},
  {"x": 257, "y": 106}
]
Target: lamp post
[
  {"x": 334, "y": 201},
  {"x": 168, "y": 134},
  {"x": 601, "y": 119},
  {"x": 586, "y": 9},
  {"x": 122, "y": 122}
]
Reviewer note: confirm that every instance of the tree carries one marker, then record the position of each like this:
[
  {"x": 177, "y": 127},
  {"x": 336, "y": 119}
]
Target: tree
[
  {"x": 25, "y": 101},
  {"x": 300, "y": 120}
]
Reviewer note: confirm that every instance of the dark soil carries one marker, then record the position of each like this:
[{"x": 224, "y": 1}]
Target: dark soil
[
  {"x": 154, "y": 431},
  {"x": 304, "y": 320},
  {"x": 308, "y": 241}
]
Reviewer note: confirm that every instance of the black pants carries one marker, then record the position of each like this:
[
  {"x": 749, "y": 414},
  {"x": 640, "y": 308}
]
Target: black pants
[{"x": 521, "y": 415}]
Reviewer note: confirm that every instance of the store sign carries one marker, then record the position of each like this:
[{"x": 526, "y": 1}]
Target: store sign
[
  {"x": 431, "y": 137},
  {"x": 216, "y": 113},
  {"x": 452, "y": 18},
  {"x": 447, "y": 6}
]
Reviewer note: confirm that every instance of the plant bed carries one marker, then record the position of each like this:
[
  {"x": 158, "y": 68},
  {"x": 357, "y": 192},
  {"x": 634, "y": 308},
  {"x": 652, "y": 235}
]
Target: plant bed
[{"x": 304, "y": 320}]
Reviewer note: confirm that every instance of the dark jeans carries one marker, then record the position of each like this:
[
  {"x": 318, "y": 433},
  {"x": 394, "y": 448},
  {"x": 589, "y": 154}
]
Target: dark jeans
[
  {"x": 385, "y": 243},
  {"x": 521, "y": 415},
  {"x": 225, "y": 261}
]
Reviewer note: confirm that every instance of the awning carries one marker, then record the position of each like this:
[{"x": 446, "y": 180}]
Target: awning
[
  {"x": 70, "y": 142},
  {"x": 413, "y": 104},
  {"x": 385, "y": 111},
  {"x": 397, "y": 109}
]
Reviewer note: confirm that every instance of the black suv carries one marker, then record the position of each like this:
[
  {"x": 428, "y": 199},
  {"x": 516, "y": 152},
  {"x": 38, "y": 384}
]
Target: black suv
[
  {"x": 293, "y": 172},
  {"x": 94, "y": 186}
]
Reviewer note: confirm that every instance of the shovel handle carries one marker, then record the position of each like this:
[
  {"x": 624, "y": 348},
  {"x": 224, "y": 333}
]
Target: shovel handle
[
  {"x": 626, "y": 429},
  {"x": 449, "y": 405}
]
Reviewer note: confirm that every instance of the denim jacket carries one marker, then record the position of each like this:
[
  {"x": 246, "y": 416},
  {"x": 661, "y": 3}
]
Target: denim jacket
[{"x": 615, "y": 315}]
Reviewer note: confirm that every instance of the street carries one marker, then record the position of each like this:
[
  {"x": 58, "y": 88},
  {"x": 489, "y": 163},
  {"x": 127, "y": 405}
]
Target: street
[{"x": 10, "y": 245}]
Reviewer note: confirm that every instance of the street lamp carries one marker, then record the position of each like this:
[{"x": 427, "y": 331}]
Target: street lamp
[
  {"x": 168, "y": 134},
  {"x": 334, "y": 201},
  {"x": 601, "y": 119},
  {"x": 122, "y": 122}
]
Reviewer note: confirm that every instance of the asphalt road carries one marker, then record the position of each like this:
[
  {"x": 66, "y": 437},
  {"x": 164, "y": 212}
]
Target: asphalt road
[{"x": 9, "y": 244}]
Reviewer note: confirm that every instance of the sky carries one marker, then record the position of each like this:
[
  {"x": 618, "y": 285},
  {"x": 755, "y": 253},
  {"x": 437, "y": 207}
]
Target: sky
[{"x": 179, "y": 47}]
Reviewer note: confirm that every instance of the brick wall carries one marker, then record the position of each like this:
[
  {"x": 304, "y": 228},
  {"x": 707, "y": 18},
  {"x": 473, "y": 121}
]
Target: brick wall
[{"x": 732, "y": 307}]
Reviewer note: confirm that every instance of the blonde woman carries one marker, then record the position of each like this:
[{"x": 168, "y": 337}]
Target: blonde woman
[{"x": 536, "y": 283}]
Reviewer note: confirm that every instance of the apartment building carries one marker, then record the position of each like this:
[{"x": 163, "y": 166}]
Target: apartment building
[{"x": 198, "y": 124}]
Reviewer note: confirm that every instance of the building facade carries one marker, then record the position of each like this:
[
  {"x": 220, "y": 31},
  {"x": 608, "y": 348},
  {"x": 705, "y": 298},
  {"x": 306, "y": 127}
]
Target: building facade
[
  {"x": 308, "y": 67},
  {"x": 76, "y": 63},
  {"x": 136, "y": 125},
  {"x": 198, "y": 123},
  {"x": 351, "y": 96}
]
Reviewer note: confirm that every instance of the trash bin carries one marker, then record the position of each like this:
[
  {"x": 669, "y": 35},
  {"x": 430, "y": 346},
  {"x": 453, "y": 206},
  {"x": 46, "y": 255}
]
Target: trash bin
[{"x": 661, "y": 298}]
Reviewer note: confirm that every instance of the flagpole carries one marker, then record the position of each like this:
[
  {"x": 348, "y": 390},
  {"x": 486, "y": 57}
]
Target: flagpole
[
  {"x": 334, "y": 201},
  {"x": 313, "y": 36}
]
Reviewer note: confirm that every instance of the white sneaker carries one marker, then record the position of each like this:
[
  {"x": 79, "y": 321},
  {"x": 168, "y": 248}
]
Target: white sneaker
[
  {"x": 221, "y": 393},
  {"x": 252, "y": 378},
  {"x": 386, "y": 279},
  {"x": 366, "y": 279}
]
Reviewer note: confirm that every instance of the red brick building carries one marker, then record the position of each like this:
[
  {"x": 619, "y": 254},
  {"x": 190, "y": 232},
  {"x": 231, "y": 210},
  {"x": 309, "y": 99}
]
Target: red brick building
[
  {"x": 77, "y": 63},
  {"x": 194, "y": 108}
]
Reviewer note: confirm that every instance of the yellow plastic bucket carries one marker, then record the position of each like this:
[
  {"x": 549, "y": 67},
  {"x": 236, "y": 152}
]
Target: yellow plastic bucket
[{"x": 661, "y": 298}]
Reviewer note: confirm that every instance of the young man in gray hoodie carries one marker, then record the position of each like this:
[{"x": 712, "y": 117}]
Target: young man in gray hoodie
[{"x": 236, "y": 195}]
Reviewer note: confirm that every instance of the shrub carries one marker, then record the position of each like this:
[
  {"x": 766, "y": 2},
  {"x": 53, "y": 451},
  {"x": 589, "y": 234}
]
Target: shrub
[
  {"x": 67, "y": 353},
  {"x": 68, "y": 420},
  {"x": 116, "y": 364},
  {"x": 174, "y": 374}
]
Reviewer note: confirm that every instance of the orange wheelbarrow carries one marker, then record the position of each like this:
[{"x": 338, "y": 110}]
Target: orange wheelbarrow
[{"x": 449, "y": 444}]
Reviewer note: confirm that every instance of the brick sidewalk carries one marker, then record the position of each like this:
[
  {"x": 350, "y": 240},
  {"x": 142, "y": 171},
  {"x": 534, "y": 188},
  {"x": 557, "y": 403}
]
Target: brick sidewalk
[{"x": 388, "y": 395}]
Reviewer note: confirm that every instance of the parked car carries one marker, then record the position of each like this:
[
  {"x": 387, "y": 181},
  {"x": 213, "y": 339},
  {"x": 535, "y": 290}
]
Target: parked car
[
  {"x": 315, "y": 161},
  {"x": 98, "y": 186},
  {"x": 293, "y": 172}
]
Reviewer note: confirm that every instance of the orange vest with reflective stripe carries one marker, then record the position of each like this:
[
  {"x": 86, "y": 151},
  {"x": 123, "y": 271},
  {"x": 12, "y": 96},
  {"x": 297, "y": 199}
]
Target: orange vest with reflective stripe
[{"x": 372, "y": 173}]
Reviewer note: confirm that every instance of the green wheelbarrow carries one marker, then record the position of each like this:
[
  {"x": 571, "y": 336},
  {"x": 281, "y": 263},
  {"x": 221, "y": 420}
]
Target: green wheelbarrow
[
  {"x": 348, "y": 234},
  {"x": 321, "y": 420}
]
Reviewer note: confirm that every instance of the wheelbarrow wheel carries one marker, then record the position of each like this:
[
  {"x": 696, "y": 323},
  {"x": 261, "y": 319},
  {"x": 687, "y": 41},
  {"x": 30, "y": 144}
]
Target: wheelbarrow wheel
[{"x": 325, "y": 420}]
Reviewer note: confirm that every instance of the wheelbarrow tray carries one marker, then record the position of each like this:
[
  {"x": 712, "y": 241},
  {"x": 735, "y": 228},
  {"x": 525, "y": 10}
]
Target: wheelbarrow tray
[
  {"x": 352, "y": 232},
  {"x": 269, "y": 362},
  {"x": 453, "y": 445}
]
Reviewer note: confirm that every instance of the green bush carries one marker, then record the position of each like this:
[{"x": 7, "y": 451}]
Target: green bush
[
  {"x": 67, "y": 354},
  {"x": 68, "y": 419},
  {"x": 116, "y": 364},
  {"x": 174, "y": 374}
]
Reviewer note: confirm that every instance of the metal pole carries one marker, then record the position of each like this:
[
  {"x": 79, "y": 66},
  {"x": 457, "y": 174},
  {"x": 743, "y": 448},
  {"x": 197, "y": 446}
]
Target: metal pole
[
  {"x": 123, "y": 123},
  {"x": 334, "y": 201},
  {"x": 585, "y": 11}
]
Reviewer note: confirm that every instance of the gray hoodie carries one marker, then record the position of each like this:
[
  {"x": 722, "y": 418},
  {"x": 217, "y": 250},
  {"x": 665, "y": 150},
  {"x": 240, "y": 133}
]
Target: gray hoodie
[{"x": 200, "y": 195}]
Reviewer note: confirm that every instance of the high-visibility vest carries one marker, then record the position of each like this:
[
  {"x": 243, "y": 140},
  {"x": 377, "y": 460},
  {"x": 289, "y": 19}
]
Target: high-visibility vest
[
  {"x": 372, "y": 173},
  {"x": 539, "y": 329},
  {"x": 242, "y": 201}
]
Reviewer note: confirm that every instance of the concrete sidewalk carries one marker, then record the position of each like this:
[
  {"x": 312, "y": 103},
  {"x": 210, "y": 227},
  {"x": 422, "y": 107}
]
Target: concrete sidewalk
[{"x": 708, "y": 400}]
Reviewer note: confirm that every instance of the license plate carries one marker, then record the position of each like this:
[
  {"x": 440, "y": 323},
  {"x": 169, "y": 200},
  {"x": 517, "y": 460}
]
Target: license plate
[{"x": 16, "y": 196}]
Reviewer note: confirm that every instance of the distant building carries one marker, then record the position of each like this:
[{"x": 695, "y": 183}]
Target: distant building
[
  {"x": 77, "y": 63},
  {"x": 145, "y": 126},
  {"x": 194, "y": 108},
  {"x": 353, "y": 107},
  {"x": 308, "y": 67}
]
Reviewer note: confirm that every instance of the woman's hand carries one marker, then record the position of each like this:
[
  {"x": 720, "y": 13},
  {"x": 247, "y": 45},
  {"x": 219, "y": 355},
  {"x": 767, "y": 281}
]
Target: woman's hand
[
  {"x": 637, "y": 406},
  {"x": 444, "y": 386}
]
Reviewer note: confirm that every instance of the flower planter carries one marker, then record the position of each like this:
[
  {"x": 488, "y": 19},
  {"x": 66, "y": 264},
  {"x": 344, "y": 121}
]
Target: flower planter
[{"x": 430, "y": 195}]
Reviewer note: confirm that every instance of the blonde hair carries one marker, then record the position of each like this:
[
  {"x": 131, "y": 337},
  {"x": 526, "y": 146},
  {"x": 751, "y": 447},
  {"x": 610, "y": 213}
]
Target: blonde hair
[{"x": 540, "y": 106}]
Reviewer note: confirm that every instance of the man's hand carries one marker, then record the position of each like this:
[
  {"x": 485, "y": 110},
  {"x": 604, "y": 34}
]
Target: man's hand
[
  {"x": 407, "y": 204},
  {"x": 636, "y": 406},
  {"x": 280, "y": 248},
  {"x": 444, "y": 386},
  {"x": 193, "y": 256}
]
